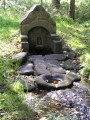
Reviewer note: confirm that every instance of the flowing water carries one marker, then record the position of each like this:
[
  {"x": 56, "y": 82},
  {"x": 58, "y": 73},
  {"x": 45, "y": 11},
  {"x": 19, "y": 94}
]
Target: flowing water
[{"x": 68, "y": 104}]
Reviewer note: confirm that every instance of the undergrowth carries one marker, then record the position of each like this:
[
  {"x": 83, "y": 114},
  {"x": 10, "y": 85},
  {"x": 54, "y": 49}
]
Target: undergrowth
[
  {"x": 12, "y": 106},
  {"x": 77, "y": 36}
]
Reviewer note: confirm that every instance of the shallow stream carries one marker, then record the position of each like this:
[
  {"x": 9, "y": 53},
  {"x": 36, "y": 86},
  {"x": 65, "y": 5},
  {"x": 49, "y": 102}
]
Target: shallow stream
[{"x": 68, "y": 104}]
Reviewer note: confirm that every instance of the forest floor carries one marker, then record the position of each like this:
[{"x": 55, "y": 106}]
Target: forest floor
[{"x": 12, "y": 98}]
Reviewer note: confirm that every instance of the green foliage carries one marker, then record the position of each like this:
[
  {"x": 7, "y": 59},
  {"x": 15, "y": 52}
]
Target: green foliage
[
  {"x": 64, "y": 8},
  {"x": 12, "y": 104},
  {"x": 18, "y": 5},
  {"x": 17, "y": 87},
  {"x": 86, "y": 70},
  {"x": 8, "y": 68},
  {"x": 82, "y": 11},
  {"x": 85, "y": 60},
  {"x": 77, "y": 36},
  {"x": 11, "y": 97},
  {"x": 8, "y": 24}
]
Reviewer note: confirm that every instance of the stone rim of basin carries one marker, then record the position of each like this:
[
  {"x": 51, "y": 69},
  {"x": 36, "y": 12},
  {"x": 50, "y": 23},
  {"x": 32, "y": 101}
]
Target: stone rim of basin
[{"x": 65, "y": 80}]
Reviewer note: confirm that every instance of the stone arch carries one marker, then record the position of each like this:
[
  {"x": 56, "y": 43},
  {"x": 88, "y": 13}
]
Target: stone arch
[
  {"x": 38, "y": 39},
  {"x": 40, "y": 23}
]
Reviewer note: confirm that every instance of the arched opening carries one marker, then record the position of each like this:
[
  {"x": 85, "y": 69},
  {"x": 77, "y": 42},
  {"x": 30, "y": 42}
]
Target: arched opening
[{"x": 39, "y": 41}]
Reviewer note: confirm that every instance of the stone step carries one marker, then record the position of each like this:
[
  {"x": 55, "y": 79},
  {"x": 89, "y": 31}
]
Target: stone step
[
  {"x": 35, "y": 57},
  {"x": 59, "y": 57}
]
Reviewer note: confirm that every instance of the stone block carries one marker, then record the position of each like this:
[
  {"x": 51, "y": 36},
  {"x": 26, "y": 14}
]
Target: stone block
[
  {"x": 24, "y": 38},
  {"x": 40, "y": 67},
  {"x": 57, "y": 46},
  {"x": 25, "y": 46}
]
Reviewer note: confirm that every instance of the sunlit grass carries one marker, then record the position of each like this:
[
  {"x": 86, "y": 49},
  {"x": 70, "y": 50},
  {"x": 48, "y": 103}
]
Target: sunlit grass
[
  {"x": 12, "y": 96},
  {"x": 9, "y": 33},
  {"x": 77, "y": 36},
  {"x": 12, "y": 103},
  {"x": 7, "y": 25}
]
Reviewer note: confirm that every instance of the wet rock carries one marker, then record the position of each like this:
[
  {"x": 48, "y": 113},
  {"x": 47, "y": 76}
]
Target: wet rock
[
  {"x": 35, "y": 57},
  {"x": 73, "y": 76},
  {"x": 28, "y": 84},
  {"x": 58, "y": 70},
  {"x": 69, "y": 104},
  {"x": 59, "y": 57},
  {"x": 26, "y": 69},
  {"x": 53, "y": 82},
  {"x": 85, "y": 87},
  {"x": 40, "y": 63},
  {"x": 88, "y": 112},
  {"x": 40, "y": 67},
  {"x": 52, "y": 63},
  {"x": 71, "y": 55},
  {"x": 41, "y": 70},
  {"x": 70, "y": 65}
]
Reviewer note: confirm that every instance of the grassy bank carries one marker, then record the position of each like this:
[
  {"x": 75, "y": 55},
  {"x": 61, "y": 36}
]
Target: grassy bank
[
  {"x": 12, "y": 106},
  {"x": 77, "y": 36}
]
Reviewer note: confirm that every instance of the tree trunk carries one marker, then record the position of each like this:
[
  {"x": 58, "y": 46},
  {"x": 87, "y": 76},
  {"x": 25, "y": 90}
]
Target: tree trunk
[
  {"x": 4, "y": 4},
  {"x": 41, "y": 2},
  {"x": 56, "y": 3},
  {"x": 72, "y": 9}
]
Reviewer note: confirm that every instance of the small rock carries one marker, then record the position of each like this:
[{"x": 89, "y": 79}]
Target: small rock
[
  {"x": 20, "y": 56},
  {"x": 28, "y": 84},
  {"x": 70, "y": 65},
  {"x": 71, "y": 55},
  {"x": 26, "y": 69},
  {"x": 59, "y": 70},
  {"x": 73, "y": 76}
]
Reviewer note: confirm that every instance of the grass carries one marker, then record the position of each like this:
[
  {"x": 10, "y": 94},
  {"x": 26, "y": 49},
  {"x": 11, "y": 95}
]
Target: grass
[
  {"x": 74, "y": 32},
  {"x": 9, "y": 32},
  {"x": 12, "y": 106},
  {"x": 11, "y": 98},
  {"x": 77, "y": 36},
  {"x": 12, "y": 103}
]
